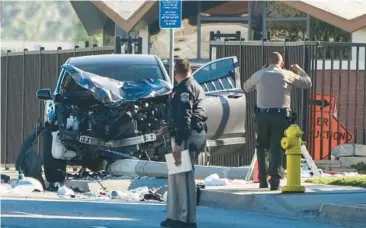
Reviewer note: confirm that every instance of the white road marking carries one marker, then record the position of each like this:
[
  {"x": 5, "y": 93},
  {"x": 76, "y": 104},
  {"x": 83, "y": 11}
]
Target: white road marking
[{"x": 36, "y": 216}]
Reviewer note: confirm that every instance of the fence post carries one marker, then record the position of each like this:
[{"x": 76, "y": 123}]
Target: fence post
[
  {"x": 118, "y": 45},
  {"x": 237, "y": 36},
  {"x": 305, "y": 120},
  {"x": 6, "y": 108},
  {"x": 269, "y": 34},
  {"x": 23, "y": 95},
  {"x": 139, "y": 45},
  {"x": 75, "y": 47},
  {"x": 287, "y": 63},
  {"x": 40, "y": 86},
  {"x": 212, "y": 36},
  {"x": 129, "y": 45},
  {"x": 58, "y": 61},
  {"x": 264, "y": 59},
  {"x": 94, "y": 46}
]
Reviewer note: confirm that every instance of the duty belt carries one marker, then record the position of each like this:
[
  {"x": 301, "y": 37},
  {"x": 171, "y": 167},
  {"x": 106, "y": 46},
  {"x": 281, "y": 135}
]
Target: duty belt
[{"x": 275, "y": 110}]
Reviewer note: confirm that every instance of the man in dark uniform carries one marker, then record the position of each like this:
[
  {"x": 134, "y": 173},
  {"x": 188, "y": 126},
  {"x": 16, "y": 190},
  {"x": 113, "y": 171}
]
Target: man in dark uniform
[
  {"x": 273, "y": 113},
  {"x": 189, "y": 132}
]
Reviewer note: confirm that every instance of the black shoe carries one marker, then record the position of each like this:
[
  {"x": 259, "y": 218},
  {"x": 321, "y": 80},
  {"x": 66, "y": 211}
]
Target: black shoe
[
  {"x": 188, "y": 225},
  {"x": 275, "y": 184},
  {"x": 263, "y": 185},
  {"x": 170, "y": 223}
]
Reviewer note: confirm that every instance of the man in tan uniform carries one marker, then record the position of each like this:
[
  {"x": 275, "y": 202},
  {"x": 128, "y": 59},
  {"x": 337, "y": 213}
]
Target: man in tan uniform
[{"x": 273, "y": 85}]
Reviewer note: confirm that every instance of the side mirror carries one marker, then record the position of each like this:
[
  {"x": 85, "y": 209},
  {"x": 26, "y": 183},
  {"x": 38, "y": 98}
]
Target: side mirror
[{"x": 44, "y": 94}]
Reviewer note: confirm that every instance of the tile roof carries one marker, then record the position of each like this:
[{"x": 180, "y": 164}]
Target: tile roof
[
  {"x": 347, "y": 9},
  {"x": 126, "y": 8}
]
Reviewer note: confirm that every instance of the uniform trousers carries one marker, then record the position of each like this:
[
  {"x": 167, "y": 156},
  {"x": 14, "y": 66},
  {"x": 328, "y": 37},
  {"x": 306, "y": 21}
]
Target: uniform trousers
[
  {"x": 182, "y": 194},
  {"x": 270, "y": 127}
]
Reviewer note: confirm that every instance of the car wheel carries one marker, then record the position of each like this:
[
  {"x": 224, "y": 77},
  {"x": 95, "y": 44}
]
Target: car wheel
[{"x": 54, "y": 169}]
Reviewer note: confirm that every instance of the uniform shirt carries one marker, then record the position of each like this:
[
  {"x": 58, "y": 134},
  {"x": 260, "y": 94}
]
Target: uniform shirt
[
  {"x": 187, "y": 108},
  {"x": 274, "y": 86}
]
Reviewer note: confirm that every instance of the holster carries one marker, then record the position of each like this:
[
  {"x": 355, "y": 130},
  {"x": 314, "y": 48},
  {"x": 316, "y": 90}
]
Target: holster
[
  {"x": 293, "y": 117},
  {"x": 255, "y": 112},
  {"x": 199, "y": 126}
]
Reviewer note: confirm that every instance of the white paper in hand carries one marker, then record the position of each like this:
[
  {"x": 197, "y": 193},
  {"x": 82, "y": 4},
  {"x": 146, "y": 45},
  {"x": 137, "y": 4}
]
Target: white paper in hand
[{"x": 184, "y": 166}]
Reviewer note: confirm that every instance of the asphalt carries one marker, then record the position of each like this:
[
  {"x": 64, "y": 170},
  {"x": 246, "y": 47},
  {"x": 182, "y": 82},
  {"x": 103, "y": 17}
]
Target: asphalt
[{"x": 29, "y": 213}]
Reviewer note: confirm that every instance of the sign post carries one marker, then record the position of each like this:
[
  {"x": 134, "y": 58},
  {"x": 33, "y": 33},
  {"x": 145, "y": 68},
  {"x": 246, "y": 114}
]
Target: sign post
[{"x": 170, "y": 17}]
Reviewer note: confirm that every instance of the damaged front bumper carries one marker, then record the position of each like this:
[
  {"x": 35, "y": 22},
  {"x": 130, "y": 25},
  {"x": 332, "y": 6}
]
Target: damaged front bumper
[{"x": 118, "y": 143}]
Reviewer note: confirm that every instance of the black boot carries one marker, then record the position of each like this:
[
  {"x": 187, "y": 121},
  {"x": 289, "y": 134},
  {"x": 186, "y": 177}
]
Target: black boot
[
  {"x": 263, "y": 185},
  {"x": 188, "y": 225},
  {"x": 275, "y": 183},
  {"x": 170, "y": 223}
]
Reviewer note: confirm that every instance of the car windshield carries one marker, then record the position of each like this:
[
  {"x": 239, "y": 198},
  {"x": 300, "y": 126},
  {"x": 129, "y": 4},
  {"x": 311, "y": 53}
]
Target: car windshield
[{"x": 124, "y": 72}]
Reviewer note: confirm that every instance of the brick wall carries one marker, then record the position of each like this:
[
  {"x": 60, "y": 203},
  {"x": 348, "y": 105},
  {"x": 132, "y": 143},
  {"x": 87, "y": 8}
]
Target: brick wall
[{"x": 349, "y": 87}]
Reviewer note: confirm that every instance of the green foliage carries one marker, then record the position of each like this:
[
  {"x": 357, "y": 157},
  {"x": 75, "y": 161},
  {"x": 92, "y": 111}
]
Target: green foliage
[
  {"x": 43, "y": 21},
  {"x": 358, "y": 181}
]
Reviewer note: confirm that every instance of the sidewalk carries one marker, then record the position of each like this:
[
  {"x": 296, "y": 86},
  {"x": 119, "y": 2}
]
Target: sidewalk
[{"x": 316, "y": 203}]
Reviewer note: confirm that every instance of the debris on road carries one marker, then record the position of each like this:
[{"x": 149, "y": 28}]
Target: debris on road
[
  {"x": 5, "y": 178},
  {"x": 138, "y": 194},
  {"x": 5, "y": 188},
  {"x": 22, "y": 186},
  {"x": 215, "y": 180},
  {"x": 64, "y": 191}
]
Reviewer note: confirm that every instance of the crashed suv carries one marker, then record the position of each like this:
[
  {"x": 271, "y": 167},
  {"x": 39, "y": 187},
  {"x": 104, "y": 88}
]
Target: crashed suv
[{"x": 110, "y": 107}]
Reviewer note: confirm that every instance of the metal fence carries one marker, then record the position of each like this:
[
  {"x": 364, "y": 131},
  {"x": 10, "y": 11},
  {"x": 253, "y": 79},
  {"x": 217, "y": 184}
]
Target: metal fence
[
  {"x": 22, "y": 74},
  {"x": 332, "y": 112}
]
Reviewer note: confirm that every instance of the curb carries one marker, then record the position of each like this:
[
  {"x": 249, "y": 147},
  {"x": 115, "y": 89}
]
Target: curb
[
  {"x": 305, "y": 205},
  {"x": 348, "y": 213}
]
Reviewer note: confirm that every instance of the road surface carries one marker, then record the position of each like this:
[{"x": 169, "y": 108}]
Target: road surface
[{"x": 30, "y": 213}]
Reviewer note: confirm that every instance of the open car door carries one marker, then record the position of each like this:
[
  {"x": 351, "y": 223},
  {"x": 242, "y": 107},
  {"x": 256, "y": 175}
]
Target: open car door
[{"x": 225, "y": 101}]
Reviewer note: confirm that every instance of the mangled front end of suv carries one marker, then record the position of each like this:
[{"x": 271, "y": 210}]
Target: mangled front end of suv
[{"x": 96, "y": 120}]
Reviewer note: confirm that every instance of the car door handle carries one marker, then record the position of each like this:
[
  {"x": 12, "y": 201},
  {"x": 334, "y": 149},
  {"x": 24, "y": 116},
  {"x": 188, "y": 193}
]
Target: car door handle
[{"x": 236, "y": 95}]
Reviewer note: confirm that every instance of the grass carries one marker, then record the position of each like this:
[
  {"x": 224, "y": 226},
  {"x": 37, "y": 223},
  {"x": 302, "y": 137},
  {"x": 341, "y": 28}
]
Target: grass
[{"x": 359, "y": 181}]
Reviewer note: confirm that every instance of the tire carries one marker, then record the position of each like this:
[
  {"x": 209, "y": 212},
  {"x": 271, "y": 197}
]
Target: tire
[{"x": 54, "y": 169}]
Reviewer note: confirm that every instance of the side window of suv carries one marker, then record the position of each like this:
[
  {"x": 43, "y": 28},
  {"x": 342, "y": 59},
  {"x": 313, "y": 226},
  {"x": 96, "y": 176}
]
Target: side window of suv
[{"x": 218, "y": 75}]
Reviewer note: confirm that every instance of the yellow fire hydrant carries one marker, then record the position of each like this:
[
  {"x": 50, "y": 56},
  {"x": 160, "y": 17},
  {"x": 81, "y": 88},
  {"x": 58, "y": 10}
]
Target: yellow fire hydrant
[{"x": 292, "y": 144}]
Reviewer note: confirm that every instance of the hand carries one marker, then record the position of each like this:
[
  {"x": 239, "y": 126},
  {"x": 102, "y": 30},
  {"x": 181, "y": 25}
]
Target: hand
[
  {"x": 177, "y": 154},
  {"x": 162, "y": 130},
  {"x": 295, "y": 68},
  {"x": 265, "y": 66}
]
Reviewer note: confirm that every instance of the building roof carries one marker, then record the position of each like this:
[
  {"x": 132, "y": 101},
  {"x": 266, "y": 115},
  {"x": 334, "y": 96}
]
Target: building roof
[
  {"x": 349, "y": 15},
  {"x": 126, "y": 13}
]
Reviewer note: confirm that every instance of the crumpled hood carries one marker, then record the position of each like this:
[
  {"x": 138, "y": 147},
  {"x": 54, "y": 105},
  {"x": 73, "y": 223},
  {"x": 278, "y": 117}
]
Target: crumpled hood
[{"x": 113, "y": 92}]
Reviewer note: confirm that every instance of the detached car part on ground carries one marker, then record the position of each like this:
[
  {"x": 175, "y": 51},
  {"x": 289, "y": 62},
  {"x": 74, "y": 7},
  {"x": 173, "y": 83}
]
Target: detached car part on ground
[{"x": 111, "y": 107}]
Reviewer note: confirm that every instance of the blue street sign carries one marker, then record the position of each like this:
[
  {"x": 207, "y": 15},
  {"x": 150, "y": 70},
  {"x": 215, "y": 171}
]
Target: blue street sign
[{"x": 170, "y": 14}]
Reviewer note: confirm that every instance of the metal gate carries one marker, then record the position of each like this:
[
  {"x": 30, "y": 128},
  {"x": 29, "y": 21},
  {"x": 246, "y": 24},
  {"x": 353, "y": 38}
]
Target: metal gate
[{"x": 338, "y": 74}]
